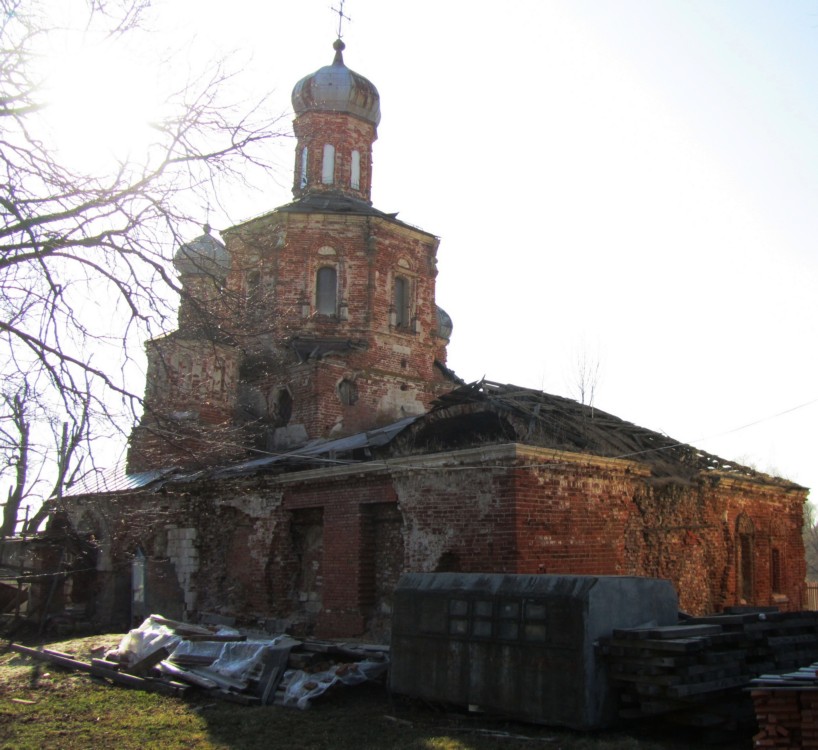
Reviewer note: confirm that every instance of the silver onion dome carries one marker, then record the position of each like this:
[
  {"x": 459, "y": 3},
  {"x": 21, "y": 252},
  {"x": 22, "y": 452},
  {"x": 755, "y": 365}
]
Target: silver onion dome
[
  {"x": 444, "y": 323},
  {"x": 336, "y": 88},
  {"x": 205, "y": 255}
]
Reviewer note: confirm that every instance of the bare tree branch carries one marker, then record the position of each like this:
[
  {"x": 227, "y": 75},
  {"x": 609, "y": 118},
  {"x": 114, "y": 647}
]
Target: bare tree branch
[{"x": 85, "y": 258}]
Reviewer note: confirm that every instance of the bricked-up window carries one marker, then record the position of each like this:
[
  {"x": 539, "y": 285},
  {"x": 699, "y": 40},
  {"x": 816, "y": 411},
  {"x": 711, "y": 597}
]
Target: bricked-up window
[
  {"x": 304, "y": 158},
  {"x": 355, "y": 171},
  {"x": 745, "y": 542},
  {"x": 775, "y": 571},
  {"x": 307, "y": 540},
  {"x": 401, "y": 302},
  {"x": 326, "y": 290},
  {"x": 328, "y": 165}
]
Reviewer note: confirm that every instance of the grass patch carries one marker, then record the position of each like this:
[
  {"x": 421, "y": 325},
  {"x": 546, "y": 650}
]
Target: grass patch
[{"x": 43, "y": 707}]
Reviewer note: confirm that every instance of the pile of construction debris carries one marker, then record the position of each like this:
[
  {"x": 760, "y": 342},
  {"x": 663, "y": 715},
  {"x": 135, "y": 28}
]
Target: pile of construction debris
[{"x": 172, "y": 657}]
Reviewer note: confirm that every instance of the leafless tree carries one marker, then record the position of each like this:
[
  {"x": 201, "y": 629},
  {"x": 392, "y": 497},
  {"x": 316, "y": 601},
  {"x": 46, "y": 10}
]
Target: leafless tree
[
  {"x": 40, "y": 450},
  {"x": 15, "y": 441},
  {"x": 586, "y": 378},
  {"x": 84, "y": 257}
]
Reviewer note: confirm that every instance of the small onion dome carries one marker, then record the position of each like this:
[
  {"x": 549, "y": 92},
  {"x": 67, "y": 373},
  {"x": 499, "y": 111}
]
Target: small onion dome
[
  {"x": 205, "y": 255},
  {"x": 444, "y": 323},
  {"x": 336, "y": 88}
]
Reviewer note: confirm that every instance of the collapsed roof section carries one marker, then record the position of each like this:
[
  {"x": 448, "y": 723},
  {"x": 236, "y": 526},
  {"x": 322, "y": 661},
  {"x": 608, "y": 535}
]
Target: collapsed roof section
[{"x": 484, "y": 412}]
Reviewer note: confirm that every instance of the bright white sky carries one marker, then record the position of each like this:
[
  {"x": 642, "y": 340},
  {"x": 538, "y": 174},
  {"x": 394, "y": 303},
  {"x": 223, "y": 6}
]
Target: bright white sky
[{"x": 633, "y": 181}]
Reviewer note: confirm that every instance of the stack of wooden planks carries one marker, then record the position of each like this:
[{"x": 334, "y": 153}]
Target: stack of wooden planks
[{"x": 665, "y": 669}]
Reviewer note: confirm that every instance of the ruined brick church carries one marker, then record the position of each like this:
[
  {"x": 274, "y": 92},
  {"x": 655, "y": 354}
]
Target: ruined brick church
[{"x": 304, "y": 443}]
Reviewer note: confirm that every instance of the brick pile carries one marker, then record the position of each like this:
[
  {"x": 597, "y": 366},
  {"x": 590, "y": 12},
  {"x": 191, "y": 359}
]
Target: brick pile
[{"x": 786, "y": 709}]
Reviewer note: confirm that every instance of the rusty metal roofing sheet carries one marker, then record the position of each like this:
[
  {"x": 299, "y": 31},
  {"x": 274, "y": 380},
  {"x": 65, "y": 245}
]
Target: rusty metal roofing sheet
[
  {"x": 116, "y": 480},
  {"x": 321, "y": 449}
]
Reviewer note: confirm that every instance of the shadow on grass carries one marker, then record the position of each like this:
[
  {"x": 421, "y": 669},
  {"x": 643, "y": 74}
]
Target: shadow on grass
[{"x": 366, "y": 717}]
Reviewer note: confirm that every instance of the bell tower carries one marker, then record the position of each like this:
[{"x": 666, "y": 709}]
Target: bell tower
[
  {"x": 325, "y": 316},
  {"x": 337, "y": 115}
]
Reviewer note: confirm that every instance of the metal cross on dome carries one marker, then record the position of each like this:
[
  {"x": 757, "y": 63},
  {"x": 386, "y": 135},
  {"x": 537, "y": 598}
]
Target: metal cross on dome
[{"x": 341, "y": 17}]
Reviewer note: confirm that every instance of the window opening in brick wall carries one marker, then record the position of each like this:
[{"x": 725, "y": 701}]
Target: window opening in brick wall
[
  {"x": 347, "y": 392},
  {"x": 745, "y": 532},
  {"x": 328, "y": 165},
  {"x": 401, "y": 302},
  {"x": 326, "y": 290},
  {"x": 253, "y": 292},
  {"x": 355, "y": 171},
  {"x": 775, "y": 571},
  {"x": 282, "y": 408},
  {"x": 304, "y": 158}
]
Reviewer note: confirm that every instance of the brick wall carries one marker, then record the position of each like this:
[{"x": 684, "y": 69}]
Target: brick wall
[
  {"x": 346, "y": 133},
  {"x": 208, "y": 402},
  {"x": 349, "y": 589},
  {"x": 322, "y": 549}
]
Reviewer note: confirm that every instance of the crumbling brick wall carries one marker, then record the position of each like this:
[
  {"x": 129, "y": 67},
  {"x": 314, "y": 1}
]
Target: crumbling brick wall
[{"x": 320, "y": 551}]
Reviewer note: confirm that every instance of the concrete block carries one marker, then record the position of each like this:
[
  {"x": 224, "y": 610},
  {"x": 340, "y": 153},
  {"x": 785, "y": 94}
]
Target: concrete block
[{"x": 522, "y": 645}]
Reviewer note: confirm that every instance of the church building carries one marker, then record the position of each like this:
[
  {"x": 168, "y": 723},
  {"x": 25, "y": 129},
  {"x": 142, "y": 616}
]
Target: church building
[
  {"x": 304, "y": 443},
  {"x": 313, "y": 321}
]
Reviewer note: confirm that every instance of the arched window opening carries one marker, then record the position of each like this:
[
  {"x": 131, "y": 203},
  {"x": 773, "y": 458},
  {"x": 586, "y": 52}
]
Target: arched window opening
[
  {"x": 745, "y": 543},
  {"x": 401, "y": 302},
  {"x": 282, "y": 408},
  {"x": 304, "y": 159},
  {"x": 355, "y": 171},
  {"x": 326, "y": 291},
  {"x": 347, "y": 392},
  {"x": 328, "y": 166}
]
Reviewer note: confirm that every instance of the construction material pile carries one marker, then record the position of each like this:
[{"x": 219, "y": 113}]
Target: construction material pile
[
  {"x": 786, "y": 709},
  {"x": 666, "y": 669},
  {"x": 167, "y": 656}
]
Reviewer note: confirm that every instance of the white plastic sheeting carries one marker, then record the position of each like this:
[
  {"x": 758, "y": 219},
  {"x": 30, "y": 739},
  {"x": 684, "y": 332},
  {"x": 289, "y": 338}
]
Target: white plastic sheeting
[
  {"x": 149, "y": 637},
  {"x": 232, "y": 665},
  {"x": 302, "y": 687}
]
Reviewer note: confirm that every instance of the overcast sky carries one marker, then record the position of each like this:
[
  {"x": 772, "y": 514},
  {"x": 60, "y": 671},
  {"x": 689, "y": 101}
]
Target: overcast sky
[{"x": 634, "y": 182}]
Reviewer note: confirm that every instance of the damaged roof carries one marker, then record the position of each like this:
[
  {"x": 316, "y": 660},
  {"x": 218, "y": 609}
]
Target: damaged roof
[
  {"x": 476, "y": 414},
  {"x": 345, "y": 450},
  {"x": 524, "y": 415}
]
